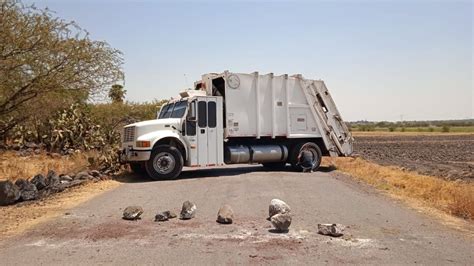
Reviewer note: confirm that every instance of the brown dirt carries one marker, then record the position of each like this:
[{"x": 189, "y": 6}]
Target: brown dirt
[{"x": 450, "y": 156}]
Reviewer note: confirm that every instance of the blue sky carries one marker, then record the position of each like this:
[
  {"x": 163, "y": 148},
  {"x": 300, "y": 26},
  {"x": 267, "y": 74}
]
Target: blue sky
[{"x": 380, "y": 59}]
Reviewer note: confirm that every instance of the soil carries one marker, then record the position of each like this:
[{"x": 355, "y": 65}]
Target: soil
[{"x": 446, "y": 156}]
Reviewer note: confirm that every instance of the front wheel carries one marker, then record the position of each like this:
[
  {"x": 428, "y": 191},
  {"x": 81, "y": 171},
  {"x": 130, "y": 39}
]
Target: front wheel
[{"x": 166, "y": 162}]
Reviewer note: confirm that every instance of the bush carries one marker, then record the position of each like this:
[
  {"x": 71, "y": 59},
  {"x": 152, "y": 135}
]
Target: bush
[
  {"x": 95, "y": 128},
  {"x": 445, "y": 128}
]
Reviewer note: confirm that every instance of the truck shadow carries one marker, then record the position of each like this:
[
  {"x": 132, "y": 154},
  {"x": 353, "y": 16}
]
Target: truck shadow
[{"x": 191, "y": 173}]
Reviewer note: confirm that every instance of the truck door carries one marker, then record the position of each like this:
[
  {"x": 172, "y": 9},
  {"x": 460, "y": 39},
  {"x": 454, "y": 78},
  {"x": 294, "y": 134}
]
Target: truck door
[{"x": 207, "y": 131}]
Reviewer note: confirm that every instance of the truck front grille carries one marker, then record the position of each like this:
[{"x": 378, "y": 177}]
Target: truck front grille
[{"x": 129, "y": 134}]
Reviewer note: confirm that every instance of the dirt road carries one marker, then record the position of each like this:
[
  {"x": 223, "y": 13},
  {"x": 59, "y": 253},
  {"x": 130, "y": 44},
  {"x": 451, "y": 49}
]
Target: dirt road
[{"x": 379, "y": 229}]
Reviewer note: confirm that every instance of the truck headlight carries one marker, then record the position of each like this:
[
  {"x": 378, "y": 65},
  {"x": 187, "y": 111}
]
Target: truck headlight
[{"x": 143, "y": 144}]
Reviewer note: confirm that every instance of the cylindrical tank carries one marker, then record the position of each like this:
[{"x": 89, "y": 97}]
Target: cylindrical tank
[
  {"x": 236, "y": 154},
  {"x": 255, "y": 154},
  {"x": 268, "y": 153}
]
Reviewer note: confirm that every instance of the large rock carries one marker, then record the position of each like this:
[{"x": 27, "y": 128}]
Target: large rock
[
  {"x": 95, "y": 173},
  {"x": 65, "y": 178},
  {"x": 164, "y": 216},
  {"x": 281, "y": 221},
  {"x": 225, "y": 215},
  {"x": 277, "y": 206},
  {"x": 28, "y": 190},
  {"x": 9, "y": 193},
  {"x": 84, "y": 175},
  {"x": 132, "y": 212},
  {"x": 188, "y": 210},
  {"x": 21, "y": 183},
  {"x": 39, "y": 181},
  {"x": 52, "y": 178},
  {"x": 330, "y": 229}
]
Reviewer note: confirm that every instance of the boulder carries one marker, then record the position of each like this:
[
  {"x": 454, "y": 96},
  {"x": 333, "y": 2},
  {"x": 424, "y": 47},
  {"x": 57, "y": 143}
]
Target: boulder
[
  {"x": 39, "y": 181},
  {"x": 84, "y": 175},
  {"x": 277, "y": 206},
  {"x": 188, "y": 210},
  {"x": 9, "y": 193},
  {"x": 52, "y": 178},
  {"x": 161, "y": 217},
  {"x": 65, "y": 178},
  {"x": 132, "y": 212},
  {"x": 225, "y": 215},
  {"x": 330, "y": 229},
  {"x": 94, "y": 173},
  {"x": 164, "y": 216},
  {"x": 21, "y": 183},
  {"x": 281, "y": 221},
  {"x": 28, "y": 190}
]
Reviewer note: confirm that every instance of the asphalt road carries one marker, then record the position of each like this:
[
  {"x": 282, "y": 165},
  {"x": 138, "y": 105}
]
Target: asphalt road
[{"x": 379, "y": 229}]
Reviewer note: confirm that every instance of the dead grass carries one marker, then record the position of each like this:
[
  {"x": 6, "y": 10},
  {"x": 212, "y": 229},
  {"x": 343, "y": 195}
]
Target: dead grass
[
  {"x": 13, "y": 166},
  {"x": 20, "y": 217},
  {"x": 453, "y": 197}
]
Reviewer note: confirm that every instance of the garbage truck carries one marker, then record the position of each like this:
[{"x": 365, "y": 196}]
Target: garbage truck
[{"x": 237, "y": 118}]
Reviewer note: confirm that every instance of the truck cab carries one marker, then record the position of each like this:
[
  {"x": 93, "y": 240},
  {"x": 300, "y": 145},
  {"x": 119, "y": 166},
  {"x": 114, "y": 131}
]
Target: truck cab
[{"x": 187, "y": 132}]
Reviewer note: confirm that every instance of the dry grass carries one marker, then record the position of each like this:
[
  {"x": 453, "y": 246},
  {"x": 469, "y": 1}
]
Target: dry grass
[
  {"x": 456, "y": 198},
  {"x": 13, "y": 167}
]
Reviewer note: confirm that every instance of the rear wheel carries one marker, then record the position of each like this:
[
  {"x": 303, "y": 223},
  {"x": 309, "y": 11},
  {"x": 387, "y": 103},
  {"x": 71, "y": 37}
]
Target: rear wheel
[
  {"x": 311, "y": 147},
  {"x": 138, "y": 168},
  {"x": 166, "y": 162},
  {"x": 275, "y": 165}
]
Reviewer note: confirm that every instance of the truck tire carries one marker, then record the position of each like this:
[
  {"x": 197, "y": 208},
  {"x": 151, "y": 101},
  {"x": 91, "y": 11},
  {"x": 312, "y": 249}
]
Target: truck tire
[
  {"x": 312, "y": 147},
  {"x": 166, "y": 162},
  {"x": 275, "y": 166},
  {"x": 138, "y": 168}
]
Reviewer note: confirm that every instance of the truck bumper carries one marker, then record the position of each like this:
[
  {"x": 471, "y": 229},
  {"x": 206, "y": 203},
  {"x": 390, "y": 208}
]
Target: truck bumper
[{"x": 131, "y": 155}]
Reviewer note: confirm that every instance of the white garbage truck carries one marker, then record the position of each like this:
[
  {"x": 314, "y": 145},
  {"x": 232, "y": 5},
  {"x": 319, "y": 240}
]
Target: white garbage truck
[{"x": 235, "y": 118}]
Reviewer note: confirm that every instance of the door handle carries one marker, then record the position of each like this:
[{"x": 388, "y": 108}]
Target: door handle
[{"x": 203, "y": 131}]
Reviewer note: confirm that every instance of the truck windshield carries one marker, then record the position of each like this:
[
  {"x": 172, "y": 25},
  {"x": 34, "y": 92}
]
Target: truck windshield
[{"x": 173, "y": 110}]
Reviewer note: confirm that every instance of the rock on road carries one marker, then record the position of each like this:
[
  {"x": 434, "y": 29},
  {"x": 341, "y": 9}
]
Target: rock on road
[{"x": 379, "y": 229}]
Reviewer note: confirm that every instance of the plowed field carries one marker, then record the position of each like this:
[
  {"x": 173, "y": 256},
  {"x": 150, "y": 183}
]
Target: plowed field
[{"x": 446, "y": 156}]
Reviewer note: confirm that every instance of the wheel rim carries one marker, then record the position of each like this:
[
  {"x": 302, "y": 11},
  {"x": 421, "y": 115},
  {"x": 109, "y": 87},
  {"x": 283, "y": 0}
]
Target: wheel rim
[{"x": 164, "y": 163}]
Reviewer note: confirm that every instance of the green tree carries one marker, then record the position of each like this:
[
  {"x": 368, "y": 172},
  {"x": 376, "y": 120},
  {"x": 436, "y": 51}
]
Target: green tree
[
  {"x": 117, "y": 93},
  {"x": 42, "y": 56}
]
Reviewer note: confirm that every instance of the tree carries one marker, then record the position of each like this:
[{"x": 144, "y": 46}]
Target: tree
[
  {"x": 41, "y": 54},
  {"x": 117, "y": 93}
]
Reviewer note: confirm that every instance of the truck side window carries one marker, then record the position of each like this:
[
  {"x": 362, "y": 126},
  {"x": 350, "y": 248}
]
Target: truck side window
[
  {"x": 211, "y": 109},
  {"x": 202, "y": 114},
  {"x": 191, "y": 120}
]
